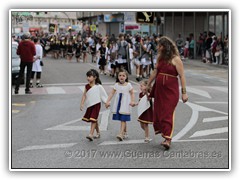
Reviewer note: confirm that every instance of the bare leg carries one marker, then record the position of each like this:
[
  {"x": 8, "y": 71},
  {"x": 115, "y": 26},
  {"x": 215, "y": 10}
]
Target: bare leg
[
  {"x": 122, "y": 129},
  {"x": 93, "y": 127},
  {"x": 146, "y": 129}
]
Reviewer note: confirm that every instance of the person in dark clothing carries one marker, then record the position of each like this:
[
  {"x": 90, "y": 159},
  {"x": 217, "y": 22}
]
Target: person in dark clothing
[{"x": 26, "y": 50}]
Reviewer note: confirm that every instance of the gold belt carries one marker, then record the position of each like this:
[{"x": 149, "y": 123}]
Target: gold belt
[{"x": 167, "y": 75}]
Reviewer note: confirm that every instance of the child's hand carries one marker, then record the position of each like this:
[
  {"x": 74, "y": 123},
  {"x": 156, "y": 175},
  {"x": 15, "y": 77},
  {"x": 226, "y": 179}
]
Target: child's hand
[
  {"x": 107, "y": 104},
  {"x": 132, "y": 104},
  {"x": 81, "y": 107}
]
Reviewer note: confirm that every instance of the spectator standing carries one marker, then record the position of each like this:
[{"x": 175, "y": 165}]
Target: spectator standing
[
  {"x": 179, "y": 42},
  {"x": 186, "y": 48},
  {"x": 26, "y": 50}
]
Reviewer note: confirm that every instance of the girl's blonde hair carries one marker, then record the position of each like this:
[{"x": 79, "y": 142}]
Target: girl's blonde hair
[{"x": 145, "y": 82}]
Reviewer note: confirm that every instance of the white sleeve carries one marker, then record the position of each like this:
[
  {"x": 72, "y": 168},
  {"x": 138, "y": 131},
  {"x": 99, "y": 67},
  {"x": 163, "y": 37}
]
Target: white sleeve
[
  {"x": 103, "y": 94},
  {"x": 115, "y": 87},
  {"x": 130, "y": 86},
  {"x": 40, "y": 52}
]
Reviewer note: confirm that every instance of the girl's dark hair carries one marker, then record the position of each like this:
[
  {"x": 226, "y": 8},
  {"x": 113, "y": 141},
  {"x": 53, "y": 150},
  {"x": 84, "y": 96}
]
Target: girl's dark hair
[
  {"x": 122, "y": 70},
  {"x": 94, "y": 73}
]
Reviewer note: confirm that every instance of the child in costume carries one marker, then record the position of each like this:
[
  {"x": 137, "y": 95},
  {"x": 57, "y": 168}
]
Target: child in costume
[
  {"x": 123, "y": 102},
  {"x": 93, "y": 94},
  {"x": 145, "y": 110}
]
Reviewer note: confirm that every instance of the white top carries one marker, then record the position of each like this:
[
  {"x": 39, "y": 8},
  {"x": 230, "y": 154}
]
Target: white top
[
  {"x": 125, "y": 89},
  {"x": 186, "y": 44},
  {"x": 36, "y": 65},
  {"x": 95, "y": 95},
  {"x": 143, "y": 105},
  {"x": 130, "y": 53}
]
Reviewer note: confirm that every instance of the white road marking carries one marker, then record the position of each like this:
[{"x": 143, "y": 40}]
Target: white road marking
[
  {"x": 210, "y": 132},
  {"x": 219, "y": 88},
  {"x": 19, "y": 105},
  {"x": 65, "y": 126},
  {"x": 207, "y": 102},
  {"x": 193, "y": 120},
  {"x": 55, "y": 90},
  {"x": 138, "y": 141},
  {"x": 15, "y": 111},
  {"x": 199, "y": 92},
  {"x": 48, "y": 146},
  {"x": 199, "y": 140},
  {"x": 213, "y": 119},
  {"x": 104, "y": 120}
]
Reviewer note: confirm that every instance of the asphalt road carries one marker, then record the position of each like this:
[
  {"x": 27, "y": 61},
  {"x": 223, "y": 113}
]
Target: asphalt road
[{"x": 47, "y": 131}]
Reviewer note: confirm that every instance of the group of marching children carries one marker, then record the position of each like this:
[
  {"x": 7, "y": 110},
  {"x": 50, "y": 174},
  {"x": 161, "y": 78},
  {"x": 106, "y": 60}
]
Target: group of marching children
[{"x": 94, "y": 94}]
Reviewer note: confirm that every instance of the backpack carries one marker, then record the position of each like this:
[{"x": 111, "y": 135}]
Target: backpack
[
  {"x": 122, "y": 50},
  {"x": 136, "y": 53},
  {"x": 153, "y": 46}
]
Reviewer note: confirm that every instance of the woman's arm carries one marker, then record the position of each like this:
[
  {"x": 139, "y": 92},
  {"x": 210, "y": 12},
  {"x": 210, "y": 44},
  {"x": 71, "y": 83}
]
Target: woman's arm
[
  {"x": 179, "y": 66},
  {"x": 152, "y": 76}
]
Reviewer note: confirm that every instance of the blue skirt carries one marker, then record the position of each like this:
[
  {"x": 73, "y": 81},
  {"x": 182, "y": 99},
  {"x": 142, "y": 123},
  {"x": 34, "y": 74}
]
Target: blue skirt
[{"x": 118, "y": 116}]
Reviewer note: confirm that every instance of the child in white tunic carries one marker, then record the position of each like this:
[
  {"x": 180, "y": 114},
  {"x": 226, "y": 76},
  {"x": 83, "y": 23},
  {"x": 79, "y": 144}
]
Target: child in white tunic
[
  {"x": 36, "y": 67},
  {"x": 123, "y": 102}
]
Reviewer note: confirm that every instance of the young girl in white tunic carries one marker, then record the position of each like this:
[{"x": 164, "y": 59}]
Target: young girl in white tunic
[
  {"x": 37, "y": 68},
  {"x": 93, "y": 95},
  {"x": 123, "y": 102}
]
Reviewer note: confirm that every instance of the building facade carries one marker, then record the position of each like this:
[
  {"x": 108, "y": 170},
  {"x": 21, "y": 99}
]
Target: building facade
[{"x": 40, "y": 21}]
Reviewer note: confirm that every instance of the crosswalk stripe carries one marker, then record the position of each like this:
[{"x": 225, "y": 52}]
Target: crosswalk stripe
[
  {"x": 199, "y": 92},
  {"x": 104, "y": 120},
  {"x": 210, "y": 132},
  {"x": 19, "y": 105},
  {"x": 213, "y": 119},
  {"x": 55, "y": 90},
  {"x": 138, "y": 141},
  {"x": 212, "y": 102},
  {"x": 15, "y": 111},
  {"x": 49, "y": 146}
]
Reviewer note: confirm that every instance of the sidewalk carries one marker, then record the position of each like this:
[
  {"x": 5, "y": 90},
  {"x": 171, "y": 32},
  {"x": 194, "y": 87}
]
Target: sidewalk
[{"x": 198, "y": 62}]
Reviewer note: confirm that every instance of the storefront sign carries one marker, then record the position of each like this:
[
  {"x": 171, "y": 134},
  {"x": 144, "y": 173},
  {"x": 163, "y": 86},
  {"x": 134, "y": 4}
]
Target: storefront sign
[
  {"x": 132, "y": 27},
  {"x": 145, "y": 17},
  {"x": 113, "y": 18}
]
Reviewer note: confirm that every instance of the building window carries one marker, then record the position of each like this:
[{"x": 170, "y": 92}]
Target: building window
[
  {"x": 219, "y": 25},
  {"x": 225, "y": 24},
  {"x": 211, "y": 23}
]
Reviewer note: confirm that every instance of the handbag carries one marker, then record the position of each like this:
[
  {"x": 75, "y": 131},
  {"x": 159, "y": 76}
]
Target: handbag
[
  {"x": 217, "y": 53},
  {"x": 41, "y": 63}
]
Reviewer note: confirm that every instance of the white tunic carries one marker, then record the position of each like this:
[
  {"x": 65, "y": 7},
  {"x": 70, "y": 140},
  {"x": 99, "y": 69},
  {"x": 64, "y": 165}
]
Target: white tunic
[
  {"x": 95, "y": 95},
  {"x": 125, "y": 107},
  {"x": 36, "y": 65},
  {"x": 143, "y": 105}
]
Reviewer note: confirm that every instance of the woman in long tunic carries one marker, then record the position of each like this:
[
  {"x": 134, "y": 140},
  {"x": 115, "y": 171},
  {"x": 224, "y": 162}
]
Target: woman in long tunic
[{"x": 166, "y": 88}]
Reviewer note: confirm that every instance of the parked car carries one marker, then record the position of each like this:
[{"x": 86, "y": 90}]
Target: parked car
[{"x": 15, "y": 63}]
